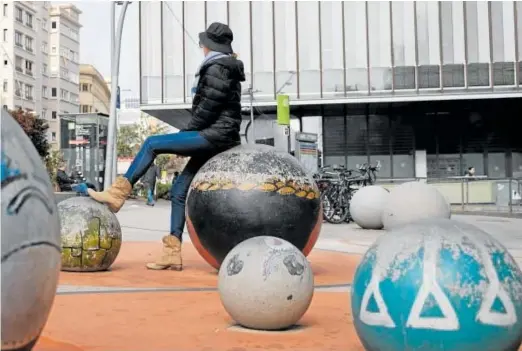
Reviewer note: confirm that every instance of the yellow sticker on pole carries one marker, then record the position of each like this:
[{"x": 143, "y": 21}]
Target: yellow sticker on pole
[{"x": 283, "y": 110}]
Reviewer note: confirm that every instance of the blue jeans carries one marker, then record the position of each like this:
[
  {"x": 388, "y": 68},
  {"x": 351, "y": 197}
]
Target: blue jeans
[
  {"x": 190, "y": 144},
  {"x": 150, "y": 196}
]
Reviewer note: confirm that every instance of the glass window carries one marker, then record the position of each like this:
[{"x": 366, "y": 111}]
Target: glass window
[
  {"x": 53, "y": 114},
  {"x": 28, "y": 92},
  {"x": 286, "y": 51},
  {"x": 428, "y": 44},
  {"x": 28, "y": 20},
  {"x": 309, "y": 49},
  {"x": 18, "y": 39},
  {"x": 503, "y": 42},
  {"x": 355, "y": 46},
  {"x": 4, "y": 35},
  {"x": 356, "y": 139},
  {"x": 403, "y": 24},
  {"x": 19, "y": 14},
  {"x": 263, "y": 47},
  {"x": 217, "y": 11},
  {"x": 379, "y": 37},
  {"x": 28, "y": 43},
  {"x": 151, "y": 51},
  {"x": 172, "y": 61},
  {"x": 332, "y": 48},
  {"x": 379, "y": 138},
  {"x": 53, "y": 24},
  {"x": 453, "y": 49},
  {"x": 477, "y": 41},
  {"x": 4, "y": 89},
  {"x": 239, "y": 22},
  {"x": 53, "y": 92},
  {"x": 334, "y": 131},
  {"x": 5, "y": 9}
]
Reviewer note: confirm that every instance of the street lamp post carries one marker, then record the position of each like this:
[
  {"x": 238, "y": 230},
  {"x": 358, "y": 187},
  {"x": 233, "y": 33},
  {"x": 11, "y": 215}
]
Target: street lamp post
[{"x": 115, "y": 69}]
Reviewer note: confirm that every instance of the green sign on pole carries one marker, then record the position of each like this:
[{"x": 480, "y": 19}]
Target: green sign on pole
[{"x": 283, "y": 110}]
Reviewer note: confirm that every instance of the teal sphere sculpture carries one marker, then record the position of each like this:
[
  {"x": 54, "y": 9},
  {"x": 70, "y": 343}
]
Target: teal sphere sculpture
[{"x": 438, "y": 284}]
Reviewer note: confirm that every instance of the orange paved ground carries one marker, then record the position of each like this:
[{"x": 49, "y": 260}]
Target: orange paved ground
[
  {"x": 188, "y": 320},
  {"x": 129, "y": 269}
]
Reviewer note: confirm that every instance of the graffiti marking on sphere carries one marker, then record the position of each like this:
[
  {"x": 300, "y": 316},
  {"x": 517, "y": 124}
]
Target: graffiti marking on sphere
[
  {"x": 381, "y": 318},
  {"x": 235, "y": 265},
  {"x": 11, "y": 175},
  {"x": 293, "y": 267},
  {"x": 494, "y": 290},
  {"x": 282, "y": 251},
  {"x": 449, "y": 321},
  {"x": 430, "y": 286}
]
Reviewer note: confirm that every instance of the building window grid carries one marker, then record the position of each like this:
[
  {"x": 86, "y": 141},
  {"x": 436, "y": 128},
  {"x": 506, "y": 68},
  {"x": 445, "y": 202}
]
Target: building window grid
[
  {"x": 460, "y": 76},
  {"x": 401, "y": 145}
]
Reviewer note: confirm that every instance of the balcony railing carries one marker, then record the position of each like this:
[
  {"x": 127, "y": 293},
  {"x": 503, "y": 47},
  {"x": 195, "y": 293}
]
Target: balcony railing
[
  {"x": 29, "y": 73},
  {"x": 29, "y": 49},
  {"x": 28, "y": 24},
  {"x": 29, "y": 97},
  {"x": 21, "y": 20},
  {"x": 20, "y": 45},
  {"x": 17, "y": 93},
  {"x": 19, "y": 69}
]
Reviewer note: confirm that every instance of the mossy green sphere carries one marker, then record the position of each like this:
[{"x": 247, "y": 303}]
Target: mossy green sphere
[{"x": 91, "y": 235}]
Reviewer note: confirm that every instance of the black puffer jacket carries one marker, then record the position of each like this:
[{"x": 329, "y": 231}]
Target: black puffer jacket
[{"x": 216, "y": 108}]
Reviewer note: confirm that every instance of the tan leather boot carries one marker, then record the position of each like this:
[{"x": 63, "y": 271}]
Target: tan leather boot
[
  {"x": 115, "y": 196},
  {"x": 171, "y": 257}
]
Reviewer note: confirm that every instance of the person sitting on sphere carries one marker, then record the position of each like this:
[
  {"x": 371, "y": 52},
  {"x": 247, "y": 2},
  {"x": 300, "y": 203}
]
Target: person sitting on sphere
[{"x": 214, "y": 127}]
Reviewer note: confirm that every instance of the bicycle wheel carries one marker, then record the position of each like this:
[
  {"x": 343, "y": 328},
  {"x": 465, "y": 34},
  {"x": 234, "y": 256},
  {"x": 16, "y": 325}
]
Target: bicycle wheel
[{"x": 333, "y": 212}]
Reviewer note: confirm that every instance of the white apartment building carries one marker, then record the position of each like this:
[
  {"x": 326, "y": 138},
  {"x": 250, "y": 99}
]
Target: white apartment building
[{"x": 40, "y": 47}]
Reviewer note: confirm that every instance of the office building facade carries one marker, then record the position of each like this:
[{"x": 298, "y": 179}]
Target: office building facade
[{"x": 386, "y": 78}]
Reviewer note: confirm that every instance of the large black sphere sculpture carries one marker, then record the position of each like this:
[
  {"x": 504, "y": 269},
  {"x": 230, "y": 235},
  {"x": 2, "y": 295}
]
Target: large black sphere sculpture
[{"x": 249, "y": 191}]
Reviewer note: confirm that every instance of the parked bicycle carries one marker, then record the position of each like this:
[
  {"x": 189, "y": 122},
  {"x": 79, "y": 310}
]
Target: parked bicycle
[{"x": 337, "y": 186}]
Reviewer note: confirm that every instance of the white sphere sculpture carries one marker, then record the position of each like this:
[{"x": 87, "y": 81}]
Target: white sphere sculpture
[
  {"x": 367, "y": 206},
  {"x": 266, "y": 283},
  {"x": 414, "y": 201},
  {"x": 30, "y": 239}
]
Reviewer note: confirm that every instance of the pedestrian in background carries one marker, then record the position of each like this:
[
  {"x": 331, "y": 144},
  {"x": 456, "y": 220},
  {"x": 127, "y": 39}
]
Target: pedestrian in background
[{"x": 149, "y": 181}]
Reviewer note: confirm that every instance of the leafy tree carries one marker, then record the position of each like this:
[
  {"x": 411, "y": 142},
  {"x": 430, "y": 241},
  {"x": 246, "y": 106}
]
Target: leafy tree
[
  {"x": 36, "y": 128},
  {"x": 129, "y": 140},
  {"x": 52, "y": 161}
]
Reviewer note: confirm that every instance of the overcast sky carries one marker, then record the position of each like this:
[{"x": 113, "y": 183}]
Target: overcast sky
[{"x": 95, "y": 42}]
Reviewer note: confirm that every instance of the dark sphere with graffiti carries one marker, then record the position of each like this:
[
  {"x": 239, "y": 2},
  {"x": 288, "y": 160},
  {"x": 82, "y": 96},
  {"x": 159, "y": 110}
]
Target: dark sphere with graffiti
[
  {"x": 266, "y": 283},
  {"x": 249, "y": 191},
  {"x": 438, "y": 284},
  {"x": 30, "y": 239},
  {"x": 91, "y": 235}
]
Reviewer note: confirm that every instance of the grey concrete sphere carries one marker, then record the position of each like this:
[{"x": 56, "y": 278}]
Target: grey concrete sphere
[
  {"x": 414, "y": 201},
  {"x": 30, "y": 239},
  {"x": 367, "y": 206},
  {"x": 266, "y": 283},
  {"x": 91, "y": 235}
]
